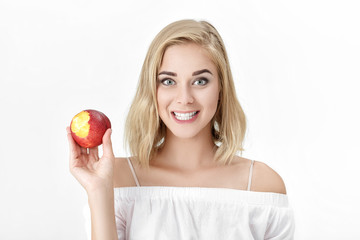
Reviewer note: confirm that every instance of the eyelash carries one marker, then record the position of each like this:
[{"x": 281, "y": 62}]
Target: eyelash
[{"x": 200, "y": 79}]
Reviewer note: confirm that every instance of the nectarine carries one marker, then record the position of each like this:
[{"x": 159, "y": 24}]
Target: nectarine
[{"x": 88, "y": 127}]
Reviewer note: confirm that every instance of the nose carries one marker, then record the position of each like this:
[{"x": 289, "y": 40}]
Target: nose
[{"x": 184, "y": 95}]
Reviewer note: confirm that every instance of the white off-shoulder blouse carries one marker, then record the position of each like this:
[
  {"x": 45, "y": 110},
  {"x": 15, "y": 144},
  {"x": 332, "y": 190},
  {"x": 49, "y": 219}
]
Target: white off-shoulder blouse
[{"x": 187, "y": 213}]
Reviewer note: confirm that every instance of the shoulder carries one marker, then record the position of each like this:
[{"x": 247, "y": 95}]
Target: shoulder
[
  {"x": 265, "y": 179},
  {"x": 122, "y": 173}
]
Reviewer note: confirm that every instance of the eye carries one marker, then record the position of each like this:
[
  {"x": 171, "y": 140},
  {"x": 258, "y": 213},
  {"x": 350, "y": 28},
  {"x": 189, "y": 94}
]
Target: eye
[
  {"x": 201, "y": 82},
  {"x": 168, "y": 82}
]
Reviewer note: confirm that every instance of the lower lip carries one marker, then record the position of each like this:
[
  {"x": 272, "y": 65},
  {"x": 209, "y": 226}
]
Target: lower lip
[{"x": 185, "y": 121}]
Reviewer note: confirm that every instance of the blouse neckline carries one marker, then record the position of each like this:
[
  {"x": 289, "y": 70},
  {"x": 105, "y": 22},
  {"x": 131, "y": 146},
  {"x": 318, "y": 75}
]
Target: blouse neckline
[{"x": 207, "y": 194}]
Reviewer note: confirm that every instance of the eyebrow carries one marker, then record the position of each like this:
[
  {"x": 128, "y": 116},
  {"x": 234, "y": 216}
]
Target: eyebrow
[
  {"x": 201, "y": 71},
  {"x": 194, "y": 73},
  {"x": 168, "y": 73}
]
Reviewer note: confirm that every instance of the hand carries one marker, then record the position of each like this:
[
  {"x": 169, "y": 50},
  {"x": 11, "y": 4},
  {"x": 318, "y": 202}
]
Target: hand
[{"x": 91, "y": 172}]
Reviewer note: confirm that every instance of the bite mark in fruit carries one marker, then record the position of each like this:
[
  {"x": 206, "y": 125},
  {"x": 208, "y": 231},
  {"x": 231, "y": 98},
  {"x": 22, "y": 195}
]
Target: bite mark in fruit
[{"x": 80, "y": 124}]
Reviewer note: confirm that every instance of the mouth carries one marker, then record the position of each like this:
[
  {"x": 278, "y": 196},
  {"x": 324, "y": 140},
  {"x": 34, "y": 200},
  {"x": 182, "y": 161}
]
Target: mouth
[{"x": 184, "y": 116}]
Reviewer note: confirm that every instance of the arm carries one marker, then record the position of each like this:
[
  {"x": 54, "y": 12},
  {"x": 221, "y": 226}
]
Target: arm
[
  {"x": 265, "y": 179},
  {"x": 281, "y": 225},
  {"x": 96, "y": 176},
  {"x": 102, "y": 214}
]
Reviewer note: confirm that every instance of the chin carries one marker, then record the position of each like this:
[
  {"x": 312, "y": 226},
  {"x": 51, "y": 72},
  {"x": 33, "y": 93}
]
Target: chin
[{"x": 182, "y": 133}]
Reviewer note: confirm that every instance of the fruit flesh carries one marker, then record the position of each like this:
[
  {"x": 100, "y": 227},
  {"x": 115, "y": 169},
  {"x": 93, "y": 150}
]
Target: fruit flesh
[{"x": 80, "y": 124}]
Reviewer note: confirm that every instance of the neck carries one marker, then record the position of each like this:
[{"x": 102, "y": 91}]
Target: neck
[{"x": 187, "y": 154}]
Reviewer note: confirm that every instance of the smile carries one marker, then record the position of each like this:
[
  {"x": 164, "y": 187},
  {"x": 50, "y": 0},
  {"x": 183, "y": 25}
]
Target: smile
[{"x": 185, "y": 116}]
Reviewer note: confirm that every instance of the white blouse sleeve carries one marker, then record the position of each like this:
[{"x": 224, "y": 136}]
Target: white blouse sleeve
[
  {"x": 281, "y": 225},
  {"x": 120, "y": 222}
]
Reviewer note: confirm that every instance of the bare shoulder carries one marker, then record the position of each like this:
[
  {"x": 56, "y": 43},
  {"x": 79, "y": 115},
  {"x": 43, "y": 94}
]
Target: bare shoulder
[
  {"x": 122, "y": 173},
  {"x": 266, "y": 179}
]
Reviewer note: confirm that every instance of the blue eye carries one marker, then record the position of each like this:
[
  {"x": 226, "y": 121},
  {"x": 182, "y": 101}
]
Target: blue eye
[
  {"x": 167, "y": 82},
  {"x": 201, "y": 82}
]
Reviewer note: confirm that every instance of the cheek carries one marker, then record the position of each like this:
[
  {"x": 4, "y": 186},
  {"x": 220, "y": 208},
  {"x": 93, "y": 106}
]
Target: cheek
[
  {"x": 211, "y": 98},
  {"x": 162, "y": 99}
]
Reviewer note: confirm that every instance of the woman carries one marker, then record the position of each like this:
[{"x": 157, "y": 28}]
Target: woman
[{"x": 184, "y": 129}]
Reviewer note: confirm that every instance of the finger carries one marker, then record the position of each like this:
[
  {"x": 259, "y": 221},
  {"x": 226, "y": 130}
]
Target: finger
[
  {"x": 73, "y": 146},
  {"x": 75, "y": 151},
  {"x": 107, "y": 144}
]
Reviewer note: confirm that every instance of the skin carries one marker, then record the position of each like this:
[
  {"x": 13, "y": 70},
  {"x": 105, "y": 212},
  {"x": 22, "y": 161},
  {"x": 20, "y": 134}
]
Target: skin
[
  {"x": 96, "y": 176},
  {"x": 187, "y": 159}
]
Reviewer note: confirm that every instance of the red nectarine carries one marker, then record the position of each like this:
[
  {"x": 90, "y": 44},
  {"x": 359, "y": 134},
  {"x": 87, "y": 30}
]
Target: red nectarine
[{"x": 88, "y": 127}]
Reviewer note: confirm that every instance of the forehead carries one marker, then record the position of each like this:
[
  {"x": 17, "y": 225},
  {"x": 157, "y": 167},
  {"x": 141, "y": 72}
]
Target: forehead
[{"x": 187, "y": 57}]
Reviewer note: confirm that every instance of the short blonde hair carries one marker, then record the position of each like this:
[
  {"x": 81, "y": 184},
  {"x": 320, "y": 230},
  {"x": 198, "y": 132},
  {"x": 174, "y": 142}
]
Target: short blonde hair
[{"x": 144, "y": 130}]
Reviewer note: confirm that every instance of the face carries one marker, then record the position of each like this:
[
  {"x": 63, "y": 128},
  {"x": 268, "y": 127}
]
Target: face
[{"x": 187, "y": 90}]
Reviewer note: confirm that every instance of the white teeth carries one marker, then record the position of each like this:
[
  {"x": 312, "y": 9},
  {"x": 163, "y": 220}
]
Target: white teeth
[{"x": 184, "y": 116}]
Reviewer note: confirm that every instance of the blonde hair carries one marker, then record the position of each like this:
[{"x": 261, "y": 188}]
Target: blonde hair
[{"x": 144, "y": 130}]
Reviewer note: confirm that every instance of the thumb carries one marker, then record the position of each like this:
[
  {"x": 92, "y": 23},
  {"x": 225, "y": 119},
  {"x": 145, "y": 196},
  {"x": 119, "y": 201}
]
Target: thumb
[{"x": 107, "y": 144}]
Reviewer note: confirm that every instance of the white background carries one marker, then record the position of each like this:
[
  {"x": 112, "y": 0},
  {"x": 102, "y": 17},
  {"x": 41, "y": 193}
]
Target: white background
[{"x": 296, "y": 68}]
